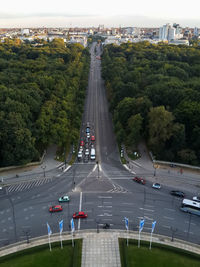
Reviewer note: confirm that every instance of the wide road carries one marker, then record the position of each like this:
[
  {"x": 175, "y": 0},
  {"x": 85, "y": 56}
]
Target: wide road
[{"x": 103, "y": 188}]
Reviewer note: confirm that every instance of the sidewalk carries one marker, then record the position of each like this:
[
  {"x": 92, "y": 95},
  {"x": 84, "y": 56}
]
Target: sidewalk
[{"x": 101, "y": 250}]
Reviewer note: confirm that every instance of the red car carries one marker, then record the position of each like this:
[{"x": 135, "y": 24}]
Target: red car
[
  {"x": 80, "y": 215},
  {"x": 55, "y": 208},
  {"x": 92, "y": 138},
  {"x": 139, "y": 180},
  {"x": 81, "y": 143}
]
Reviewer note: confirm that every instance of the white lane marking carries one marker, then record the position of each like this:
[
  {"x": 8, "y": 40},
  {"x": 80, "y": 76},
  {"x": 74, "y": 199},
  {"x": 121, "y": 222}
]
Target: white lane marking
[
  {"x": 148, "y": 218},
  {"x": 146, "y": 209},
  {"x": 100, "y": 169},
  {"x": 80, "y": 205},
  {"x": 150, "y": 206},
  {"x": 136, "y": 163},
  {"x": 169, "y": 209},
  {"x": 166, "y": 226},
  {"x": 124, "y": 203},
  {"x": 189, "y": 232},
  {"x": 105, "y": 214},
  {"x": 95, "y": 166},
  {"x": 67, "y": 168},
  {"x": 168, "y": 218},
  {"x": 103, "y": 197},
  {"x": 190, "y": 223},
  {"x": 127, "y": 211},
  {"x": 104, "y": 206}
]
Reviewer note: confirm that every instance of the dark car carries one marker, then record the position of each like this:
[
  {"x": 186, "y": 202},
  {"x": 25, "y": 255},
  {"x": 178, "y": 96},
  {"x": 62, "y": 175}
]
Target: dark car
[
  {"x": 139, "y": 180},
  {"x": 177, "y": 193}
]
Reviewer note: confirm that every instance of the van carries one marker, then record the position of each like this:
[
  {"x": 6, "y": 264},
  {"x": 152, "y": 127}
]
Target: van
[{"x": 92, "y": 154}]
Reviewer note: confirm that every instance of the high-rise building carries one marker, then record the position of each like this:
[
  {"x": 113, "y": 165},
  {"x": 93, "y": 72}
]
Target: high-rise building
[{"x": 168, "y": 33}]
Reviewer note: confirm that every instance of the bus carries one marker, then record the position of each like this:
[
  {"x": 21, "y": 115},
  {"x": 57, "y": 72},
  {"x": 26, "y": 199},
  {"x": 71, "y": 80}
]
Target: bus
[{"x": 191, "y": 206}]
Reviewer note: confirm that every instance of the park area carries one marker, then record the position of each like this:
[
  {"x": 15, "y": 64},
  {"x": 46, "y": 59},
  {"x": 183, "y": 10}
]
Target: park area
[
  {"x": 41, "y": 256},
  {"x": 158, "y": 256}
]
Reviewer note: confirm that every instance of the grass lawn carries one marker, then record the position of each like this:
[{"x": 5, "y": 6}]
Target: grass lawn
[
  {"x": 42, "y": 257},
  {"x": 158, "y": 256}
]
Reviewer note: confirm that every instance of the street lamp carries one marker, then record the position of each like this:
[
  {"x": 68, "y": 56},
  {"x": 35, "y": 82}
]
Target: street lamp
[{"x": 44, "y": 167}]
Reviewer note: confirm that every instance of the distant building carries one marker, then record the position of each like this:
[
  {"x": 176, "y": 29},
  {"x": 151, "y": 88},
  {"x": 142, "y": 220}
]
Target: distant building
[
  {"x": 168, "y": 33},
  {"x": 25, "y": 32},
  {"x": 196, "y": 32}
]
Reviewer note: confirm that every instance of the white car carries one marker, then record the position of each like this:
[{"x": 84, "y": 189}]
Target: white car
[
  {"x": 88, "y": 135},
  {"x": 87, "y": 152},
  {"x": 156, "y": 185},
  {"x": 81, "y": 149},
  {"x": 196, "y": 199}
]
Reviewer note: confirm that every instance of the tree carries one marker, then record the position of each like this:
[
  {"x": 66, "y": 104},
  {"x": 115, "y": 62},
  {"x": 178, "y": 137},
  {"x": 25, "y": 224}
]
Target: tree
[
  {"x": 160, "y": 127},
  {"x": 135, "y": 129}
]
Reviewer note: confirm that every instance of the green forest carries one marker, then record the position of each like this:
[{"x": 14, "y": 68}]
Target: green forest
[
  {"x": 42, "y": 91},
  {"x": 154, "y": 95}
]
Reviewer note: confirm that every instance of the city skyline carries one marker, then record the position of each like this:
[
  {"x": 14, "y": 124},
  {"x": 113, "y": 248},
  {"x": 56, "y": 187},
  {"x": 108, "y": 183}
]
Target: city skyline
[{"x": 87, "y": 14}]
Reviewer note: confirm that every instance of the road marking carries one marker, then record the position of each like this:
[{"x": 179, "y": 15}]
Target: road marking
[
  {"x": 166, "y": 226},
  {"x": 104, "y": 206},
  {"x": 168, "y": 218},
  {"x": 67, "y": 168},
  {"x": 105, "y": 214},
  {"x": 150, "y": 206},
  {"x": 124, "y": 203},
  {"x": 146, "y": 209},
  {"x": 189, "y": 232},
  {"x": 146, "y": 217},
  {"x": 169, "y": 209},
  {"x": 80, "y": 205},
  {"x": 127, "y": 211},
  {"x": 104, "y": 197},
  {"x": 190, "y": 223}
]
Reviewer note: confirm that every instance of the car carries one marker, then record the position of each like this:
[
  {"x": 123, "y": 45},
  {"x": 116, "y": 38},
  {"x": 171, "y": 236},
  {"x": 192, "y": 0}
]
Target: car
[
  {"x": 81, "y": 149},
  {"x": 80, "y": 155},
  {"x": 88, "y": 135},
  {"x": 79, "y": 215},
  {"x": 81, "y": 143},
  {"x": 87, "y": 130},
  {"x": 177, "y": 193},
  {"x": 55, "y": 208},
  {"x": 87, "y": 152},
  {"x": 92, "y": 138},
  {"x": 196, "y": 198},
  {"x": 64, "y": 199},
  {"x": 156, "y": 185},
  {"x": 139, "y": 180}
]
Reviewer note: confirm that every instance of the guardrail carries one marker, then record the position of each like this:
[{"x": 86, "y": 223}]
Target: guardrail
[{"x": 37, "y": 241}]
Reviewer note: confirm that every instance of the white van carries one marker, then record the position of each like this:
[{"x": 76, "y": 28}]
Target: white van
[{"x": 92, "y": 154}]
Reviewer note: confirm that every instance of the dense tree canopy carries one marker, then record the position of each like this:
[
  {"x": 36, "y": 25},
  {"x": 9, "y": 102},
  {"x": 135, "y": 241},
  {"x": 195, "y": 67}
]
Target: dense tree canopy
[
  {"x": 154, "y": 93},
  {"x": 42, "y": 89}
]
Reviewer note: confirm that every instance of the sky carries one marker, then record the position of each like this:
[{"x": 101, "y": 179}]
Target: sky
[{"x": 88, "y": 13}]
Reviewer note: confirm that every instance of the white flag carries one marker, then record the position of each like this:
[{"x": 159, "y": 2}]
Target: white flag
[{"x": 49, "y": 229}]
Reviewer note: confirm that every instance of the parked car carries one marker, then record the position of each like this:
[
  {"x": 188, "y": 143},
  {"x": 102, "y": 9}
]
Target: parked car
[
  {"x": 177, "y": 193},
  {"x": 64, "y": 199},
  {"x": 139, "y": 180},
  {"x": 92, "y": 138},
  {"x": 196, "y": 198},
  {"x": 156, "y": 185},
  {"x": 55, "y": 208},
  {"x": 80, "y": 215}
]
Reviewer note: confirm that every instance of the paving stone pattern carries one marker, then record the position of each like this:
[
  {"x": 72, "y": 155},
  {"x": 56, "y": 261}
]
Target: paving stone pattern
[{"x": 101, "y": 250}]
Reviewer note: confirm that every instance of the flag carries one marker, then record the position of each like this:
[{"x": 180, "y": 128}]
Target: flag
[
  {"x": 126, "y": 222},
  {"x": 141, "y": 225},
  {"x": 61, "y": 226},
  {"x": 153, "y": 226},
  {"x": 72, "y": 225},
  {"x": 49, "y": 229}
]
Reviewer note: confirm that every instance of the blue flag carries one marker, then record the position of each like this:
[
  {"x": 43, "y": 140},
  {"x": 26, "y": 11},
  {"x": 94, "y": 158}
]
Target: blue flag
[
  {"x": 49, "y": 229},
  {"x": 153, "y": 226},
  {"x": 141, "y": 225},
  {"x": 61, "y": 226},
  {"x": 126, "y": 222},
  {"x": 72, "y": 225}
]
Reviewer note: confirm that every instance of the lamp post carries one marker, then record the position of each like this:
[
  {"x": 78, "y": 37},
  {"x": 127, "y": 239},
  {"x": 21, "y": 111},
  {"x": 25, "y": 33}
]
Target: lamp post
[{"x": 44, "y": 167}]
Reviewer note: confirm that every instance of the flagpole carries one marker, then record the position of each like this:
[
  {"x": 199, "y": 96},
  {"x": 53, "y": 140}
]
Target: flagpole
[
  {"x": 139, "y": 240},
  {"x": 49, "y": 243},
  {"x": 61, "y": 244},
  {"x": 150, "y": 240}
]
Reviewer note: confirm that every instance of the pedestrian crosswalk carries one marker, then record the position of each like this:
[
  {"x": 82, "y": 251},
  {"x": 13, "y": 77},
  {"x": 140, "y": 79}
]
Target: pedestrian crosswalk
[{"x": 27, "y": 185}]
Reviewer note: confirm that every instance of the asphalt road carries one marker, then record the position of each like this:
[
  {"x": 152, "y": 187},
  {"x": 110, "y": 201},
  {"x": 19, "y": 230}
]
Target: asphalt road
[{"x": 104, "y": 190}]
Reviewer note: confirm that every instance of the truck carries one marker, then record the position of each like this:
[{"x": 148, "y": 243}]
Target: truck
[{"x": 92, "y": 154}]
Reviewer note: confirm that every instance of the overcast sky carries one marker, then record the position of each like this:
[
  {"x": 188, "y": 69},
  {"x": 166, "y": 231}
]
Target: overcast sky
[{"x": 66, "y": 13}]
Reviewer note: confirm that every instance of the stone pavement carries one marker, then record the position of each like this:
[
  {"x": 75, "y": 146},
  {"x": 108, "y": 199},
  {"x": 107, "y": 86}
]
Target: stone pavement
[{"x": 101, "y": 250}]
